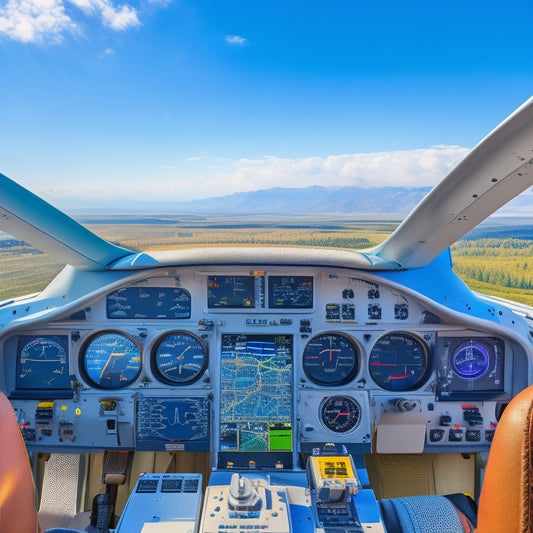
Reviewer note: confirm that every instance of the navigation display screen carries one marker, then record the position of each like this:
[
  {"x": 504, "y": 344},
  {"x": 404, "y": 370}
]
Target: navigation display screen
[
  {"x": 172, "y": 424},
  {"x": 256, "y": 393},
  {"x": 166, "y": 303},
  {"x": 42, "y": 362},
  {"x": 232, "y": 292},
  {"x": 290, "y": 292}
]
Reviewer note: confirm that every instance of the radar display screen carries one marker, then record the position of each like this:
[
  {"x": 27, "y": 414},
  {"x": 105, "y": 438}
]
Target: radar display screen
[
  {"x": 172, "y": 424},
  {"x": 235, "y": 292},
  {"x": 256, "y": 393},
  {"x": 42, "y": 363},
  {"x": 290, "y": 292},
  {"x": 164, "y": 303}
]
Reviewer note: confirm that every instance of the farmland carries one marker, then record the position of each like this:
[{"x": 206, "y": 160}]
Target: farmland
[{"x": 496, "y": 258}]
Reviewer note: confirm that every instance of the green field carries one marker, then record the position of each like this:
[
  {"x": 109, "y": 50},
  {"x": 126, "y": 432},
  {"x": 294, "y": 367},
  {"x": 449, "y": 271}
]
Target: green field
[{"x": 496, "y": 259}]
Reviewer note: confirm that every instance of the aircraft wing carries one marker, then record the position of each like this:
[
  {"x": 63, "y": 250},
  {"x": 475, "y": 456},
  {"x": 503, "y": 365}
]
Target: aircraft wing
[
  {"x": 495, "y": 171},
  {"x": 31, "y": 219}
]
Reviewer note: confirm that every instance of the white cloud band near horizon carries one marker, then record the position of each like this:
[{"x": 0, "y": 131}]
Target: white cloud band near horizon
[{"x": 406, "y": 168}]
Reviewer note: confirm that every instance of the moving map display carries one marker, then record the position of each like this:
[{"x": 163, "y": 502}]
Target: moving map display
[{"x": 256, "y": 393}]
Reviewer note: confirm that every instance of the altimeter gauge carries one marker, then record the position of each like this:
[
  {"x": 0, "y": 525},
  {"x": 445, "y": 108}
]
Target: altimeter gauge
[{"x": 179, "y": 358}]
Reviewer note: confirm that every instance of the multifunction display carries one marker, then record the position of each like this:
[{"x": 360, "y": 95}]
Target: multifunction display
[
  {"x": 234, "y": 292},
  {"x": 165, "y": 303},
  {"x": 256, "y": 393},
  {"x": 290, "y": 292}
]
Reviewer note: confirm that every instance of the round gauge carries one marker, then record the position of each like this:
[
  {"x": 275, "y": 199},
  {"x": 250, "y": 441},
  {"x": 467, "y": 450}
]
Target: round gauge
[
  {"x": 399, "y": 361},
  {"x": 470, "y": 360},
  {"x": 111, "y": 360},
  {"x": 340, "y": 414},
  {"x": 43, "y": 362},
  {"x": 330, "y": 359},
  {"x": 179, "y": 358}
]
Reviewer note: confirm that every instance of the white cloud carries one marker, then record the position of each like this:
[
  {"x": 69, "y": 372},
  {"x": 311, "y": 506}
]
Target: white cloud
[
  {"x": 43, "y": 21},
  {"x": 35, "y": 20},
  {"x": 409, "y": 168},
  {"x": 425, "y": 166},
  {"x": 236, "y": 40}
]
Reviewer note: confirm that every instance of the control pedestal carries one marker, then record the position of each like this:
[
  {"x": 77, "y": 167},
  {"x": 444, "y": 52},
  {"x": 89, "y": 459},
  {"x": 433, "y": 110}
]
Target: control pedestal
[{"x": 163, "y": 503}]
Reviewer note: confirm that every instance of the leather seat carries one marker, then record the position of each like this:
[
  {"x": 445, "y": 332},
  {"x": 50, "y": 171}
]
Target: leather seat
[
  {"x": 506, "y": 505},
  {"x": 17, "y": 504},
  {"x": 506, "y": 502}
]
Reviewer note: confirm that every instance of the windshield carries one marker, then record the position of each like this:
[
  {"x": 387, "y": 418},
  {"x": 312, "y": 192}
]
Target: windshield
[{"x": 184, "y": 124}]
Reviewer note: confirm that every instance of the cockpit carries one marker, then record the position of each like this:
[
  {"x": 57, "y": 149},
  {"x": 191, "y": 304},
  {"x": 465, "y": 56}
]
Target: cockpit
[{"x": 261, "y": 388}]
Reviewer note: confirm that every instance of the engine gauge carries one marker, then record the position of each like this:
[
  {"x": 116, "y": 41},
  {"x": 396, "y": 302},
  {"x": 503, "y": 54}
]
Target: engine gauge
[
  {"x": 111, "y": 360},
  {"x": 399, "y": 361},
  {"x": 470, "y": 360},
  {"x": 330, "y": 359},
  {"x": 340, "y": 414},
  {"x": 179, "y": 358}
]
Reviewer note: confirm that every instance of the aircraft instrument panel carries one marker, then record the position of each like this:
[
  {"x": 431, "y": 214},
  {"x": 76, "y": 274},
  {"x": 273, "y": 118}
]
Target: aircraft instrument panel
[{"x": 255, "y": 364}]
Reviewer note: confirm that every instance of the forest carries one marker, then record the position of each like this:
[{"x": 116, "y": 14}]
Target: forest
[{"x": 495, "y": 259}]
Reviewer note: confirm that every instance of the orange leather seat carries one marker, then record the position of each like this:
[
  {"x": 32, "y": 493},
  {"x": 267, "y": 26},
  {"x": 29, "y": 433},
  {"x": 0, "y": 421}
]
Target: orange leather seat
[
  {"x": 17, "y": 504},
  {"x": 506, "y": 504}
]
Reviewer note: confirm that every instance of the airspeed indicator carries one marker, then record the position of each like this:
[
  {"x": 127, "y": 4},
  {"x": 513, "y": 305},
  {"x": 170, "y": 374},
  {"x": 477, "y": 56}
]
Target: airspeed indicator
[{"x": 111, "y": 360}]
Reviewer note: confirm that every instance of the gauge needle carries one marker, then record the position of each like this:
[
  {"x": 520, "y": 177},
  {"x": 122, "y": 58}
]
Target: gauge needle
[
  {"x": 182, "y": 354},
  {"x": 341, "y": 414}
]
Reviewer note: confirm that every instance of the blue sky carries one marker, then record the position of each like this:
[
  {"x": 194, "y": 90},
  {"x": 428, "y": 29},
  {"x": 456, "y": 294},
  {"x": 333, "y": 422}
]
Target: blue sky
[{"x": 175, "y": 99}]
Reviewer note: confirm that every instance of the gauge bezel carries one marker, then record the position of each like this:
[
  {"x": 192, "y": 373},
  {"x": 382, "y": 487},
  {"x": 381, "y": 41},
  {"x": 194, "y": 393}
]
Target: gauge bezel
[
  {"x": 155, "y": 365},
  {"x": 328, "y": 399},
  {"x": 83, "y": 353},
  {"x": 343, "y": 380},
  {"x": 421, "y": 380}
]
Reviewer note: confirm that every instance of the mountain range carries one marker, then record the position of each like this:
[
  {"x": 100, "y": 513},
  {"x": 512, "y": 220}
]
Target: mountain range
[{"x": 289, "y": 201}]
